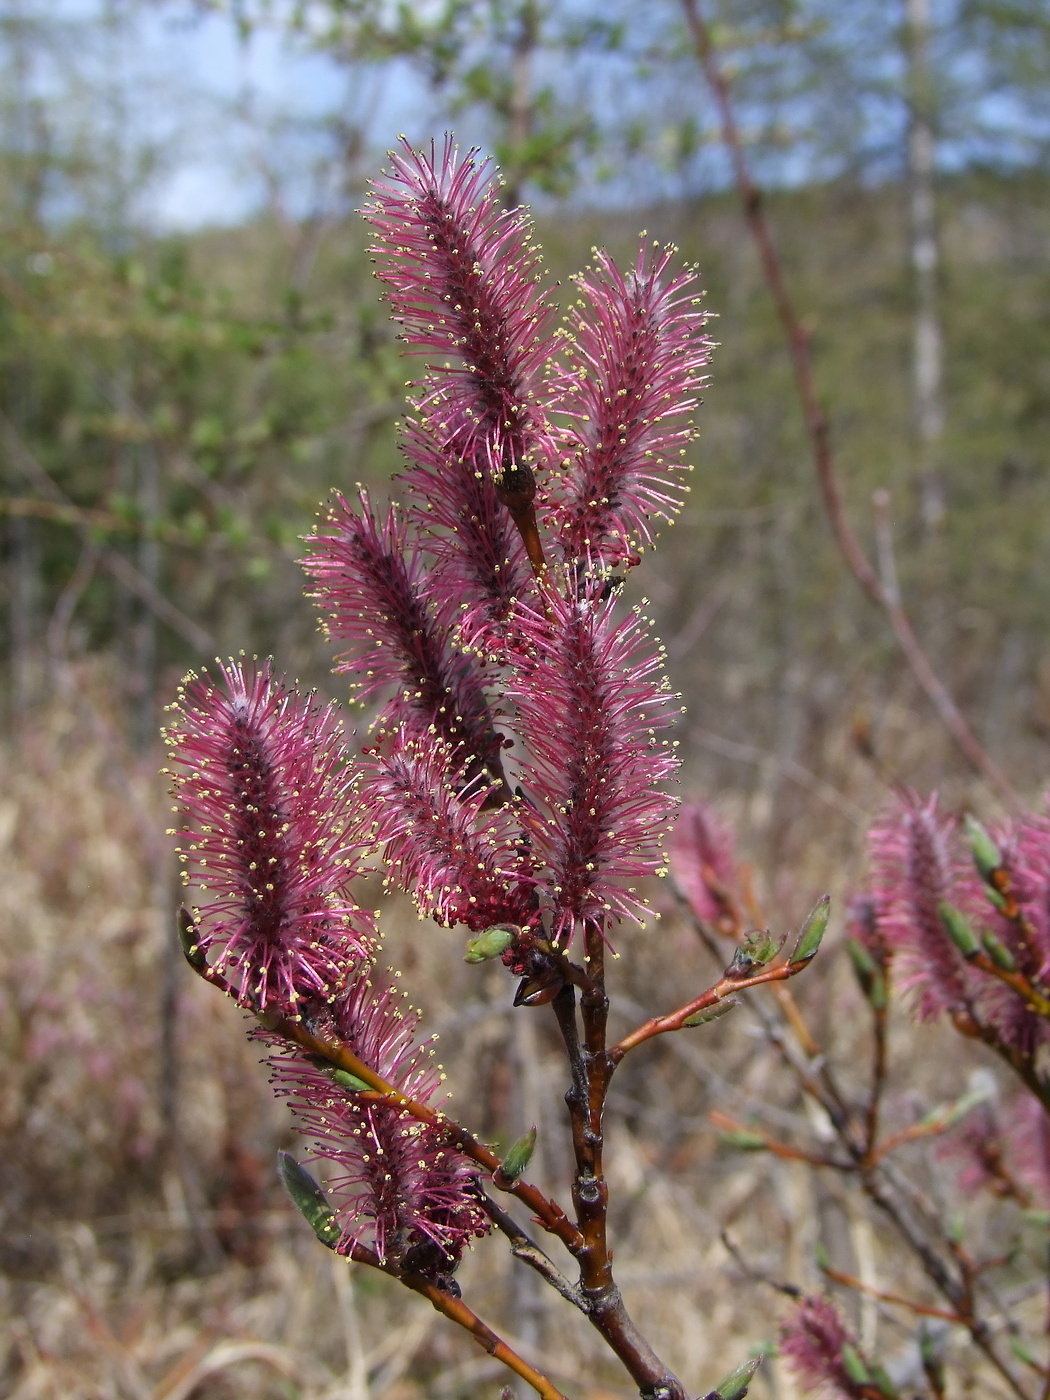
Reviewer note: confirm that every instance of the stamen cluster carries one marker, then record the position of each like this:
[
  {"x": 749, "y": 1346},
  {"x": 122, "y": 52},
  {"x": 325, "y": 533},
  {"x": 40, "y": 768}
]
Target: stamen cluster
[{"x": 263, "y": 780}]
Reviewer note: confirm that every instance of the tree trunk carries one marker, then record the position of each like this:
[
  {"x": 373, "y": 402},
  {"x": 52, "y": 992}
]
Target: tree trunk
[{"x": 928, "y": 357}]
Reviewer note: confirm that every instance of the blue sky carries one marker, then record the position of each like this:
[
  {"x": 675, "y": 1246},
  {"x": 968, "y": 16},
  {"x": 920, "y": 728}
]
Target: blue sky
[{"x": 222, "y": 108}]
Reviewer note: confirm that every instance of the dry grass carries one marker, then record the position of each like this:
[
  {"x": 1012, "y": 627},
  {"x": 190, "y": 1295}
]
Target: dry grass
[{"x": 146, "y": 1251}]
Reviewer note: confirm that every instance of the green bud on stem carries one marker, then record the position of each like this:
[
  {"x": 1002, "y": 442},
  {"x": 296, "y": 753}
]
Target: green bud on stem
[
  {"x": 519, "y": 1156},
  {"x": 986, "y": 854},
  {"x": 812, "y": 932},
  {"x": 883, "y": 1384},
  {"x": 958, "y": 929},
  {"x": 868, "y": 973},
  {"x": 998, "y": 952},
  {"x": 932, "y": 1355},
  {"x": 735, "y": 1386},
  {"x": 743, "y": 1141},
  {"x": 310, "y": 1199},
  {"x": 191, "y": 948},
  {"x": 854, "y": 1365},
  {"x": 712, "y": 1013},
  {"x": 347, "y": 1080},
  {"x": 490, "y": 944}
]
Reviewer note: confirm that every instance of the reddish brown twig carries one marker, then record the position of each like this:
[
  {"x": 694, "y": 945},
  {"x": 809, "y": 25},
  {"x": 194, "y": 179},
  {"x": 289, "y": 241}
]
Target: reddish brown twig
[
  {"x": 591, "y": 1067},
  {"x": 817, "y": 425},
  {"x": 457, "y": 1311},
  {"x": 675, "y": 1020},
  {"x": 773, "y": 1145},
  {"x": 920, "y": 1309}
]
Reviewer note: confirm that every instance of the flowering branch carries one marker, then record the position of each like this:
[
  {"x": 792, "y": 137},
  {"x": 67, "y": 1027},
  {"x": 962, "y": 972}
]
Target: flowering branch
[{"x": 513, "y": 782}]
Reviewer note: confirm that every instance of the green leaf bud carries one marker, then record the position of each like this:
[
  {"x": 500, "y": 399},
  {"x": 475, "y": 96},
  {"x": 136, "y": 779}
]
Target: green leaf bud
[
  {"x": 347, "y": 1080},
  {"x": 958, "y": 929},
  {"x": 947, "y": 1115},
  {"x": 931, "y": 1352},
  {"x": 868, "y": 973},
  {"x": 883, "y": 1384},
  {"x": 986, "y": 854},
  {"x": 712, "y": 1013},
  {"x": 310, "y": 1199},
  {"x": 519, "y": 1156},
  {"x": 854, "y": 1365},
  {"x": 998, "y": 952},
  {"x": 758, "y": 948},
  {"x": 742, "y": 1140},
  {"x": 735, "y": 1385},
  {"x": 1023, "y": 1352},
  {"x": 491, "y": 943},
  {"x": 191, "y": 948},
  {"x": 812, "y": 932}
]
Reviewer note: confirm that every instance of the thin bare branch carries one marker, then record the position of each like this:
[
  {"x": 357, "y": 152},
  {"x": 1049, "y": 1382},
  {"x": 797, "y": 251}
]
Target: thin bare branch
[{"x": 817, "y": 423}]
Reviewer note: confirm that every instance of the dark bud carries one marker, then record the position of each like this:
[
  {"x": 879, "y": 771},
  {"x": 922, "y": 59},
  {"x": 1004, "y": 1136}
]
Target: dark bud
[
  {"x": 428, "y": 1260},
  {"x": 516, "y": 486},
  {"x": 538, "y": 991},
  {"x": 188, "y": 938}
]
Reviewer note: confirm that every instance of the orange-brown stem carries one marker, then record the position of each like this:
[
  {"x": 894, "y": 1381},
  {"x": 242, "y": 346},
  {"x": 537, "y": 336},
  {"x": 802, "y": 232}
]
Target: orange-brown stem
[
  {"x": 456, "y": 1310},
  {"x": 773, "y": 1145},
  {"x": 547, "y": 1212},
  {"x": 675, "y": 1020},
  {"x": 920, "y": 1309}
]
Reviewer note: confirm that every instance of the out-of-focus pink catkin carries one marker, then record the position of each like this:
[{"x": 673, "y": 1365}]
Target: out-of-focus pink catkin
[
  {"x": 703, "y": 860},
  {"x": 916, "y": 866},
  {"x": 812, "y": 1340}
]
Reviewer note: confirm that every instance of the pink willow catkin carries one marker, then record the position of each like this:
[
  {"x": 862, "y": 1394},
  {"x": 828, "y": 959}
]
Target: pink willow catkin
[
  {"x": 920, "y": 863},
  {"x": 813, "y": 1340},
  {"x": 268, "y": 799},
  {"x": 629, "y": 383},
  {"x": 396, "y": 1186},
  {"x": 270, "y": 807}
]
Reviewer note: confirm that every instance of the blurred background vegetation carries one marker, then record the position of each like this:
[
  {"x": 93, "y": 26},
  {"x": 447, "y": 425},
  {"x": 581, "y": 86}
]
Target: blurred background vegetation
[{"x": 180, "y": 390}]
